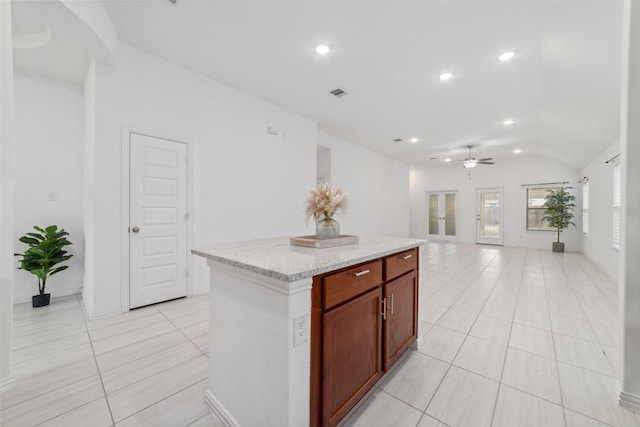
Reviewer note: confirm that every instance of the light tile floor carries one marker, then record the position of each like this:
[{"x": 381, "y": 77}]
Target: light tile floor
[{"x": 513, "y": 337}]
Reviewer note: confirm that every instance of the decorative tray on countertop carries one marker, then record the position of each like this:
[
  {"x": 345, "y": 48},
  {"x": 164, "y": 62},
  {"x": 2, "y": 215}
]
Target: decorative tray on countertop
[{"x": 312, "y": 242}]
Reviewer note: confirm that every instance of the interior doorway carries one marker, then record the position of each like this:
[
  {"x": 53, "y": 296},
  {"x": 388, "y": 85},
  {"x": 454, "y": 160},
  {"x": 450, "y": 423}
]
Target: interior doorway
[
  {"x": 157, "y": 219},
  {"x": 323, "y": 165}
]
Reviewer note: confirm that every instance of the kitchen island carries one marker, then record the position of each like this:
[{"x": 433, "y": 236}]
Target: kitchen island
[{"x": 261, "y": 323}]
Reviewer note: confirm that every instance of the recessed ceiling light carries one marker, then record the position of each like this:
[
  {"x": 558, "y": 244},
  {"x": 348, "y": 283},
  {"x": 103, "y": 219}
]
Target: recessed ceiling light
[
  {"x": 506, "y": 56},
  {"x": 517, "y": 151},
  {"x": 445, "y": 76},
  {"x": 508, "y": 122},
  {"x": 413, "y": 140},
  {"x": 322, "y": 49},
  {"x": 447, "y": 160}
]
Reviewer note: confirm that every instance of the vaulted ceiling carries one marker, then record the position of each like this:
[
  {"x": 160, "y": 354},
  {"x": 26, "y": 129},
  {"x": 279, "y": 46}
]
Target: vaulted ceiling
[{"x": 562, "y": 88}]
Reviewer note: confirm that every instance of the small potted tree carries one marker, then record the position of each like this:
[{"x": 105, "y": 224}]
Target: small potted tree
[
  {"x": 559, "y": 207},
  {"x": 46, "y": 250}
]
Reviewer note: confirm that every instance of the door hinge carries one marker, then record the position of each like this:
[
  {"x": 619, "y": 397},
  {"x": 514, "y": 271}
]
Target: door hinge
[
  {"x": 186, "y": 272},
  {"x": 186, "y": 216}
]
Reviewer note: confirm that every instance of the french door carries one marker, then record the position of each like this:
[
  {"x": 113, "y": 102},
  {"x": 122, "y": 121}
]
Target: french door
[
  {"x": 441, "y": 224},
  {"x": 489, "y": 215}
]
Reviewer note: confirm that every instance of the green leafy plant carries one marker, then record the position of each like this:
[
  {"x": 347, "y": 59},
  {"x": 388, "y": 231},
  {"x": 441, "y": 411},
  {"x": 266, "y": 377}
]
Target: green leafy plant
[
  {"x": 46, "y": 250},
  {"x": 559, "y": 207}
]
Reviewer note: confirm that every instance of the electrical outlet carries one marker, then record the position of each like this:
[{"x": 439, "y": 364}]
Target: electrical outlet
[{"x": 301, "y": 329}]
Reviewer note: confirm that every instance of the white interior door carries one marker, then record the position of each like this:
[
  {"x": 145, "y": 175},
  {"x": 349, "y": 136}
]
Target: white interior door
[
  {"x": 489, "y": 216},
  {"x": 157, "y": 220},
  {"x": 441, "y": 222}
]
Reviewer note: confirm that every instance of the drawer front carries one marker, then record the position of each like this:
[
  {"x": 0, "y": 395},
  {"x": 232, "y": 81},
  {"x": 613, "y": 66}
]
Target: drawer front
[
  {"x": 347, "y": 284},
  {"x": 398, "y": 264}
]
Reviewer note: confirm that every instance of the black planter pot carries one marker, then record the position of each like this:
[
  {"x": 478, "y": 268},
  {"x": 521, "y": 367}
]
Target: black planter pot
[
  {"x": 558, "y": 247},
  {"x": 40, "y": 300}
]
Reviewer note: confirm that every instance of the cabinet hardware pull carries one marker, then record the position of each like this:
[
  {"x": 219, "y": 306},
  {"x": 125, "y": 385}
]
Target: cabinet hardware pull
[
  {"x": 391, "y": 304},
  {"x": 383, "y": 301},
  {"x": 407, "y": 256},
  {"x": 361, "y": 273}
]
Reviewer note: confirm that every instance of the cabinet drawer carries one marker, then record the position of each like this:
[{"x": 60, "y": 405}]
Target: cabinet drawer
[
  {"x": 347, "y": 284},
  {"x": 398, "y": 264}
]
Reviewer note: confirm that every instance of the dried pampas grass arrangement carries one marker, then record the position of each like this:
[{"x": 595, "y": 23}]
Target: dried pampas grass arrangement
[{"x": 324, "y": 201}]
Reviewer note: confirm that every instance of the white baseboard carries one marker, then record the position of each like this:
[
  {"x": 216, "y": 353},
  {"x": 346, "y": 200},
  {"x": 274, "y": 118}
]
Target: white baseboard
[
  {"x": 100, "y": 314},
  {"x": 7, "y": 384},
  {"x": 628, "y": 400},
  {"x": 418, "y": 342},
  {"x": 56, "y": 294},
  {"x": 219, "y": 411}
]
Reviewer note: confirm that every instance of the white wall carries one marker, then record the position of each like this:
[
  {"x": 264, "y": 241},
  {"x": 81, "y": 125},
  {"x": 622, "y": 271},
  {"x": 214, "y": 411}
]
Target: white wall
[
  {"x": 48, "y": 159},
  {"x": 247, "y": 183},
  {"x": 378, "y": 188},
  {"x": 89, "y": 121},
  {"x": 6, "y": 195},
  {"x": 508, "y": 174},
  {"x": 597, "y": 244},
  {"x": 629, "y": 284}
]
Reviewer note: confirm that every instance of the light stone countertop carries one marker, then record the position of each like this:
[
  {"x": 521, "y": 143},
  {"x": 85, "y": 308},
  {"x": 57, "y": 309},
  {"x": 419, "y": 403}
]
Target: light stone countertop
[{"x": 278, "y": 259}]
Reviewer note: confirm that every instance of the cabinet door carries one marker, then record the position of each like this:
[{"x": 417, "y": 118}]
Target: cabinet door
[
  {"x": 352, "y": 354},
  {"x": 400, "y": 328}
]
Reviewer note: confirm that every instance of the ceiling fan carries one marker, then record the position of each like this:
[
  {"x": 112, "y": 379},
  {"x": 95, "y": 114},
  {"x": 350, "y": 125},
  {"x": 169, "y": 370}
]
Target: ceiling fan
[{"x": 471, "y": 162}]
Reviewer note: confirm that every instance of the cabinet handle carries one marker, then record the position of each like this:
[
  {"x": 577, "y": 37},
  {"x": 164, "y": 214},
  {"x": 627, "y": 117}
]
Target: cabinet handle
[
  {"x": 391, "y": 303},
  {"x": 361, "y": 273},
  {"x": 383, "y": 301},
  {"x": 407, "y": 256}
]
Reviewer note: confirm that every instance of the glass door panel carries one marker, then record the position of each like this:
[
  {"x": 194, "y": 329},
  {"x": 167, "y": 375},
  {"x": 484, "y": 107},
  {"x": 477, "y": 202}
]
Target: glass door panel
[
  {"x": 434, "y": 217},
  {"x": 450, "y": 214}
]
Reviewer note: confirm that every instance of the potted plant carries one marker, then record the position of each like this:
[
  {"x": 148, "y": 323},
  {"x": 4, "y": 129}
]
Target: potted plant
[
  {"x": 559, "y": 207},
  {"x": 46, "y": 250}
]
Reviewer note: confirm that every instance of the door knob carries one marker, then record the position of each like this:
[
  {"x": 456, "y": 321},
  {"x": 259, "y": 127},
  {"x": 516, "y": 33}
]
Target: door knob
[{"x": 135, "y": 229}]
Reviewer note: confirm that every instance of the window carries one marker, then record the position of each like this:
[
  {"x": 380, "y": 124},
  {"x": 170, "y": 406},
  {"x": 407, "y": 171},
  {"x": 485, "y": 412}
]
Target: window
[
  {"x": 585, "y": 207},
  {"x": 616, "y": 206},
  {"x": 535, "y": 211}
]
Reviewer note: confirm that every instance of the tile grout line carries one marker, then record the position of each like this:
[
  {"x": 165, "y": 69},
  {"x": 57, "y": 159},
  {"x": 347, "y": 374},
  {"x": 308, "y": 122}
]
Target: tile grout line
[
  {"x": 463, "y": 341},
  {"x": 553, "y": 343},
  {"x": 185, "y": 335},
  {"x": 95, "y": 360},
  {"x": 504, "y": 360},
  {"x": 564, "y": 409},
  {"x": 165, "y": 398},
  {"x": 590, "y": 322}
]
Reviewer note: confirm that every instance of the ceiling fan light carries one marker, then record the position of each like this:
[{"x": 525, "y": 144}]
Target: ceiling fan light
[{"x": 470, "y": 163}]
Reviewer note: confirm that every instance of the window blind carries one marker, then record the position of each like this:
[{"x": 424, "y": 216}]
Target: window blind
[
  {"x": 585, "y": 207},
  {"x": 616, "y": 206}
]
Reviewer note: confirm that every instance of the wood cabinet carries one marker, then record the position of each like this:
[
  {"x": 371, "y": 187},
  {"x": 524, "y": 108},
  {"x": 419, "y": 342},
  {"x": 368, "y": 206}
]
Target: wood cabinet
[{"x": 363, "y": 319}]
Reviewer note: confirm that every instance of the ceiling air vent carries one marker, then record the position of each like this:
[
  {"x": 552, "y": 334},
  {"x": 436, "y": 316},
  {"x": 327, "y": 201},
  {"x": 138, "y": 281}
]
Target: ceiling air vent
[
  {"x": 338, "y": 93},
  {"x": 397, "y": 140}
]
